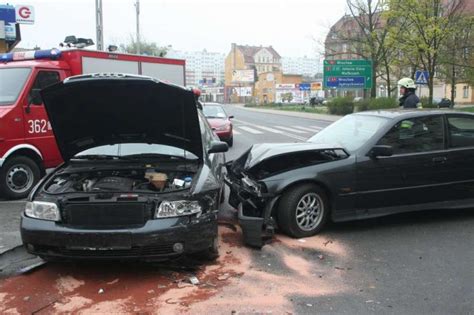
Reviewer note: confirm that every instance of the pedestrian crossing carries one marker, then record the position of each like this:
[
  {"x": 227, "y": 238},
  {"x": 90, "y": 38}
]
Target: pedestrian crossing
[{"x": 296, "y": 132}]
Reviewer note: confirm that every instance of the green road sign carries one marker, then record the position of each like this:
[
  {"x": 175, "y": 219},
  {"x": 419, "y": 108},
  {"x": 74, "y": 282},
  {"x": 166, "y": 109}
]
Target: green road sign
[{"x": 348, "y": 74}]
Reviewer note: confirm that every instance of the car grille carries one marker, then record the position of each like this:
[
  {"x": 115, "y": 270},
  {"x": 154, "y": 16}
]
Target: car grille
[{"x": 106, "y": 215}]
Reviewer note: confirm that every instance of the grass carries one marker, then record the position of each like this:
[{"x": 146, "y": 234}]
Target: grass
[
  {"x": 292, "y": 108},
  {"x": 467, "y": 109}
]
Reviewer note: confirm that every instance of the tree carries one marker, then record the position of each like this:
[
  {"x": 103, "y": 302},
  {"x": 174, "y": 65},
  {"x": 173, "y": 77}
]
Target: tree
[
  {"x": 369, "y": 37},
  {"x": 428, "y": 26},
  {"x": 146, "y": 48}
]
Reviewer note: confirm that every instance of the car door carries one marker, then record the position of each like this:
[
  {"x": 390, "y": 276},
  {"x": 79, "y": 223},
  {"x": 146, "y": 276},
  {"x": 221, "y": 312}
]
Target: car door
[
  {"x": 38, "y": 130},
  {"x": 460, "y": 129},
  {"x": 414, "y": 174}
]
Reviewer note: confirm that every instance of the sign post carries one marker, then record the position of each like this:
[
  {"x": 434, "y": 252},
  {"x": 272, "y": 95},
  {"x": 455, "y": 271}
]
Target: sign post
[{"x": 348, "y": 74}]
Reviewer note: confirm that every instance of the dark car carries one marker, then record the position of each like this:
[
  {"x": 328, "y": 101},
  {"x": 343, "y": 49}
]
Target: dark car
[
  {"x": 142, "y": 176},
  {"x": 443, "y": 102},
  {"x": 316, "y": 100},
  {"x": 220, "y": 122},
  {"x": 365, "y": 165}
]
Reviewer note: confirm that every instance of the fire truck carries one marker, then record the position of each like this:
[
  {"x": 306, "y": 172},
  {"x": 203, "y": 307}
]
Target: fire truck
[{"x": 27, "y": 144}]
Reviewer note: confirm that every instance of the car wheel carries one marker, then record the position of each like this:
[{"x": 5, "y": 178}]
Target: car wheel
[
  {"x": 209, "y": 254},
  {"x": 303, "y": 211},
  {"x": 18, "y": 176},
  {"x": 230, "y": 142}
]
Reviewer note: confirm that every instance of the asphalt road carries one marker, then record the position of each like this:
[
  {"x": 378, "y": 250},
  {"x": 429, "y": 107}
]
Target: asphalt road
[{"x": 418, "y": 263}]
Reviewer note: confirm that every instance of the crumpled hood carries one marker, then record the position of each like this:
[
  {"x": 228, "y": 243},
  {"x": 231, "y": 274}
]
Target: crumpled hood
[
  {"x": 92, "y": 110},
  {"x": 260, "y": 152}
]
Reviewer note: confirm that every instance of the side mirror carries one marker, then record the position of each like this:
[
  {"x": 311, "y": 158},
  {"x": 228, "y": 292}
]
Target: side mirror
[
  {"x": 34, "y": 98},
  {"x": 218, "y": 147},
  {"x": 231, "y": 116},
  {"x": 381, "y": 150}
]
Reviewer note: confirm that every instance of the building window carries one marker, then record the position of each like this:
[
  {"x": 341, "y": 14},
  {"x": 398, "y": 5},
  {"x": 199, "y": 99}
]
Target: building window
[{"x": 465, "y": 91}]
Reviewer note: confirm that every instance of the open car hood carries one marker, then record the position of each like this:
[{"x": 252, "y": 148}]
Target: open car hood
[{"x": 92, "y": 110}]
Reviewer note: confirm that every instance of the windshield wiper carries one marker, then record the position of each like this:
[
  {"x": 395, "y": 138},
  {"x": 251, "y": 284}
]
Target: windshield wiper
[
  {"x": 99, "y": 157},
  {"x": 153, "y": 155}
]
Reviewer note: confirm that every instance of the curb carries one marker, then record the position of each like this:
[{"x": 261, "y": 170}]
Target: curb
[{"x": 330, "y": 118}]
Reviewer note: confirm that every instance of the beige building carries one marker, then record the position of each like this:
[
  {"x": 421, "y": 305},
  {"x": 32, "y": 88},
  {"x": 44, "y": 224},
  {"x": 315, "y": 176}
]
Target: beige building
[
  {"x": 270, "y": 83},
  {"x": 243, "y": 65}
]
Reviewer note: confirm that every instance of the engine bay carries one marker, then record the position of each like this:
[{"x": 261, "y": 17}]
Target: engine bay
[{"x": 135, "y": 180}]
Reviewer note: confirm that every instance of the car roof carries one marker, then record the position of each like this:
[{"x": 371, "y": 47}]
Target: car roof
[
  {"x": 409, "y": 113},
  {"x": 212, "y": 104}
]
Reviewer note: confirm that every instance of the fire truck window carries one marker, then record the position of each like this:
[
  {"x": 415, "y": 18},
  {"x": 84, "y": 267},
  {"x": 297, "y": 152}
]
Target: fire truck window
[{"x": 45, "y": 79}]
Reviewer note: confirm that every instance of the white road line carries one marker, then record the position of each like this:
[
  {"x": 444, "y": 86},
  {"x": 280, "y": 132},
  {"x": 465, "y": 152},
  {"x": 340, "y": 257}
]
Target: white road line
[
  {"x": 251, "y": 130},
  {"x": 317, "y": 127},
  {"x": 236, "y": 132},
  {"x": 307, "y": 129},
  {"x": 283, "y": 133},
  {"x": 290, "y": 129}
]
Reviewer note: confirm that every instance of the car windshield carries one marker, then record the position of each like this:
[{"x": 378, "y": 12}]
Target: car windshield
[
  {"x": 13, "y": 80},
  {"x": 350, "y": 132},
  {"x": 136, "y": 150},
  {"x": 214, "y": 111}
]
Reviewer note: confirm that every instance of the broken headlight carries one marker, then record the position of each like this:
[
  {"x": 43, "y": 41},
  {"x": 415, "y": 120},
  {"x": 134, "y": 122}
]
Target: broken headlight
[
  {"x": 177, "y": 208},
  {"x": 42, "y": 210}
]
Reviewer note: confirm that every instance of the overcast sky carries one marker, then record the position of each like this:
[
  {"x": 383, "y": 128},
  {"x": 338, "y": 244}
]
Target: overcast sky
[{"x": 293, "y": 27}]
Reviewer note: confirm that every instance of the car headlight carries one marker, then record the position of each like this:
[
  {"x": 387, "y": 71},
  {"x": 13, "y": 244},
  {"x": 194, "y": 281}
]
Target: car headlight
[
  {"x": 223, "y": 127},
  {"x": 177, "y": 208},
  {"x": 42, "y": 210}
]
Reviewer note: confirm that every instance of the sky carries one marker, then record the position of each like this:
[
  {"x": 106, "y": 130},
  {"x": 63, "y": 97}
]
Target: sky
[{"x": 295, "y": 28}]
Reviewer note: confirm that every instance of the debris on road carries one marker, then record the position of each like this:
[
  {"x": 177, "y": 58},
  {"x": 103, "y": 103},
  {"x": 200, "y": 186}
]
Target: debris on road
[
  {"x": 302, "y": 240},
  {"x": 101, "y": 291},
  {"x": 113, "y": 282},
  {"x": 339, "y": 268},
  {"x": 17, "y": 261},
  {"x": 309, "y": 305},
  {"x": 223, "y": 277},
  {"x": 194, "y": 280},
  {"x": 321, "y": 257},
  {"x": 327, "y": 242}
]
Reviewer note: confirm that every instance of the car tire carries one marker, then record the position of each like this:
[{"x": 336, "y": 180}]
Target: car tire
[
  {"x": 230, "y": 142},
  {"x": 298, "y": 201},
  {"x": 13, "y": 174},
  {"x": 209, "y": 254}
]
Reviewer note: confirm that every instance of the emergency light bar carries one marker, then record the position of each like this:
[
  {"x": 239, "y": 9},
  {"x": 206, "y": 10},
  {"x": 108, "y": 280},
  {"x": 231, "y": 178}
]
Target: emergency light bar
[{"x": 31, "y": 55}]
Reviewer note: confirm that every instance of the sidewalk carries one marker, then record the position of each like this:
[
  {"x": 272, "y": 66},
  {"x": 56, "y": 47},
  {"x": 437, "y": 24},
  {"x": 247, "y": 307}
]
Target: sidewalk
[{"x": 314, "y": 116}]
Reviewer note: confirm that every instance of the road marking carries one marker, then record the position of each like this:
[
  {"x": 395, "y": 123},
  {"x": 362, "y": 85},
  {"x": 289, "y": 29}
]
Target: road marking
[
  {"x": 307, "y": 129},
  {"x": 283, "y": 133},
  {"x": 290, "y": 129},
  {"x": 251, "y": 130},
  {"x": 236, "y": 132},
  {"x": 318, "y": 127}
]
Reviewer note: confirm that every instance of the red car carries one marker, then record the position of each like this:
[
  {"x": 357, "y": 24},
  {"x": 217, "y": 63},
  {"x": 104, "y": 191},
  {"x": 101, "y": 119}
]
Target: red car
[{"x": 220, "y": 122}]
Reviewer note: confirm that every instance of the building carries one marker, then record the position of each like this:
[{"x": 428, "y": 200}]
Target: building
[
  {"x": 243, "y": 65},
  {"x": 276, "y": 87},
  {"x": 203, "y": 68},
  {"x": 305, "y": 66}
]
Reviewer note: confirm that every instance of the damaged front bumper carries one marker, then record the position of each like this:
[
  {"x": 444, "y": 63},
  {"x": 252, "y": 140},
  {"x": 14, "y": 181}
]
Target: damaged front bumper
[
  {"x": 156, "y": 240},
  {"x": 254, "y": 209}
]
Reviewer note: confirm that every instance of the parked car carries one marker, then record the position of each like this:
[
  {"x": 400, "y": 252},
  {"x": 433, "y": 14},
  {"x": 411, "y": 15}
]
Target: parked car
[
  {"x": 364, "y": 165},
  {"x": 220, "y": 122},
  {"x": 317, "y": 100},
  {"x": 142, "y": 177},
  {"x": 443, "y": 102}
]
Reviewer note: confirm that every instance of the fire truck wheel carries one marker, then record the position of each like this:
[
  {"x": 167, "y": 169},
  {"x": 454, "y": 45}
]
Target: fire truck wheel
[{"x": 18, "y": 176}]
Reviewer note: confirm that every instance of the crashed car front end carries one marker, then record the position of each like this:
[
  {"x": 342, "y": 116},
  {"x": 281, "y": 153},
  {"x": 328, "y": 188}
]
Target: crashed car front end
[
  {"x": 258, "y": 178},
  {"x": 99, "y": 222}
]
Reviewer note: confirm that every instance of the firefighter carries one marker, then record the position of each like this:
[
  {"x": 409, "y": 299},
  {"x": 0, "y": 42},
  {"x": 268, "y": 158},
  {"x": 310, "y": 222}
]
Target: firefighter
[{"x": 407, "y": 91}]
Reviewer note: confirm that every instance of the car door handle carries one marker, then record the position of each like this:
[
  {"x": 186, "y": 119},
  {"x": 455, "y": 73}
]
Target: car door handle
[{"x": 439, "y": 160}]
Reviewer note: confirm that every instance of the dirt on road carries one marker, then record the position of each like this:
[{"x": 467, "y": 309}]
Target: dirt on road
[{"x": 242, "y": 280}]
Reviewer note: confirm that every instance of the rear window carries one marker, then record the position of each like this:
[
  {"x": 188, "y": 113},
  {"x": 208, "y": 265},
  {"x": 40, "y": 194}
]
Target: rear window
[{"x": 461, "y": 131}]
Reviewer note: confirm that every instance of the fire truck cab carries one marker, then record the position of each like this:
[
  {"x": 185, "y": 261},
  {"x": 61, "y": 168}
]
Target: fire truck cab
[{"x": 27, "y": 143}]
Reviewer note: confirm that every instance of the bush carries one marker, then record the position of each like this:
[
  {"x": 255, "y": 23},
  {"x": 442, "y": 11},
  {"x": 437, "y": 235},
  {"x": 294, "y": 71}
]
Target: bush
[
  {"x": 425, "y": 100},
  {"x": 377, "y": 104},
  {"x": 340, "y": 106}
]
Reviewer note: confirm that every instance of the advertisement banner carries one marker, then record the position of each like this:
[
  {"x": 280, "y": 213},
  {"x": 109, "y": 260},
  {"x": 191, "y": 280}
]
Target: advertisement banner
[
  {"x": 244, "y": 76},
  {"x": 242, "y": 91},
  {"x": 25, "y": 14}
]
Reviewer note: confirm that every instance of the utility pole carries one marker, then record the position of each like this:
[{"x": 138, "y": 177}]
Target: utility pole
[
  {"x": 99, "y": 25},
  {"x": 137, "y": 6}
]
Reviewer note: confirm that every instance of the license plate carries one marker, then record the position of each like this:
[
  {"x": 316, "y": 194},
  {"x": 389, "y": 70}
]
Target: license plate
[{"x": 99, "y": 241}]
